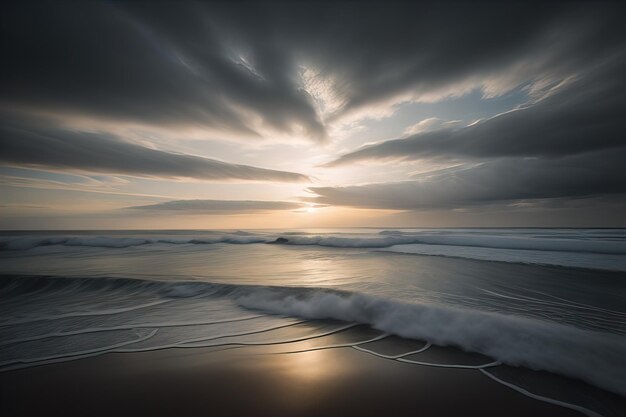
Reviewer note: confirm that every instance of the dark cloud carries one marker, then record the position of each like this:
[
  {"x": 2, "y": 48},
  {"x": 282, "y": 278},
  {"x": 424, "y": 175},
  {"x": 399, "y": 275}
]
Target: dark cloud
[
  {"x": 581, "y": 116},
  {"x": 242, "y": 68},
  {"x": 501, "y": 181},
  {"x": 201, "y": 206},
  {"x": 27, "y": 143},
  {"x": 235, "y": 66},
  {"x": 160, "y": 63}
]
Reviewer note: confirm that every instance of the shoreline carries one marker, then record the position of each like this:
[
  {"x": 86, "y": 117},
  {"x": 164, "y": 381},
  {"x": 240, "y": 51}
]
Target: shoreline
[{"x": 306, "y": 378}]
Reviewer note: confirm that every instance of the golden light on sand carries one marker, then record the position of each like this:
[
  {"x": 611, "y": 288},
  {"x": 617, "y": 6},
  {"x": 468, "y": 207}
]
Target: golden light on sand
[{"x": 310, "y": 366}]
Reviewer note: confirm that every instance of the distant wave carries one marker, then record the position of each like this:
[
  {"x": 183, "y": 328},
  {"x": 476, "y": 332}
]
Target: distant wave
[
  {"x": 30, "y": 242},
  {"x": 581, "y": 245},
  {"x": 382, "y": 240},
  {"x": 602, "y": 261},
  {"x": 595, "y": 357},
  {"x": 577, "y": 250}
]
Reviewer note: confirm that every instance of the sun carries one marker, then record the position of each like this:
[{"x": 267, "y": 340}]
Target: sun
[{"x": 311, "y": 210}]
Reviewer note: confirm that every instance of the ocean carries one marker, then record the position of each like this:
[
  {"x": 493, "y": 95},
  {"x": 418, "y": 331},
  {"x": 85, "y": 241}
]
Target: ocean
[{"x": 541, "y": 299}]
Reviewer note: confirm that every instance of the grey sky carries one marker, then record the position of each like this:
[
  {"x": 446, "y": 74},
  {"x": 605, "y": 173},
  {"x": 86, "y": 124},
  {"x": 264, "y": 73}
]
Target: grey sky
[{"x": 393, "y": 106}]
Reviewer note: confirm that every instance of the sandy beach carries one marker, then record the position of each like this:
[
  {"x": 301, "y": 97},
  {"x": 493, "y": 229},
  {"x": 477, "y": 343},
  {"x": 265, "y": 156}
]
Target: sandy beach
[{"x": 320, "y": 376}]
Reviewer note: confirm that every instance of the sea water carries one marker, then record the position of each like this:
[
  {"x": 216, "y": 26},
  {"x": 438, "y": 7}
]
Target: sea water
[{"x": 543, "y": 299}]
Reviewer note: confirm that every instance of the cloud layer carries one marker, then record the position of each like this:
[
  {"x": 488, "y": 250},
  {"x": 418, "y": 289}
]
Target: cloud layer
[
  {"x": 501, "y": 181},
  {"x": 580, "y": 116},
  {"x": 82, "y": 81},
  {"x": 287, "y": 67},
  {"x": 27, "y": 144},
  {"x": 567, "y": 145},
  {"x": 220, "y": 206}
]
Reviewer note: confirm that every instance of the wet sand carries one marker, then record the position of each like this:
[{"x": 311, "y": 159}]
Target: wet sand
[{"x": 259, "y": 381}]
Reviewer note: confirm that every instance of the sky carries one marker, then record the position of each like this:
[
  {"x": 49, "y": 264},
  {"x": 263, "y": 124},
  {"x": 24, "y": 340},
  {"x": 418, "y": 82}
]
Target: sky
[{"x": 233, "y": 115}]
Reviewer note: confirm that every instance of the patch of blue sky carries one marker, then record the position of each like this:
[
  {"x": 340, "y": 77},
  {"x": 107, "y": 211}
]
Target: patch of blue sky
[{"x": 467, "y": 108}]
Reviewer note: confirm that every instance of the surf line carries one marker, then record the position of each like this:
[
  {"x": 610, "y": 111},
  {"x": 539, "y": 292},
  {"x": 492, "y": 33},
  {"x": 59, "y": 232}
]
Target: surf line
[
  {"x": 481, "y": 368},
  {"x": 338, "y": 345},
  {"x": 83, "y": 314},
  {"x": 278, "y": 342},
  {"x": 548, "y": 400},
  {"x": 401, "y": 355},
  {"x": 119, "y": 348},
  {"x": 27, "y": 363},
  {"x": 401, "y": 358},
  {"x": 126, "y": 327}
]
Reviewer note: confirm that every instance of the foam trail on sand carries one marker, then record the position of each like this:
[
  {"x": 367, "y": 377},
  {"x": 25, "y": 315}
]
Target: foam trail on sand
[
  {"x": 22, "y": 363},
  {"x": 119, "y": 347},
  {"x": 338, "y": 345},
  {"x": 5, "y": 366},
  {"x": 401, "y": 358},
  {"x": 541, "y": 398},
  {"x": 126, "y": 327},
  {"x": 274, "y": 342},
  {"x": 236, "y": 334},
  {"x": 450, "y": 365},
  {"x": 103, "y": 312},
  {"x": 401, "y": 355}
]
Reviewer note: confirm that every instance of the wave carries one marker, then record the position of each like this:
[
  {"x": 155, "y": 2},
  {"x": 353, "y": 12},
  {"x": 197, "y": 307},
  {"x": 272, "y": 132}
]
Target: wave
[
  {"x": 595, "y": 357},
  {"x": 581, "y": 245},
  {"x": 384, "y": 239},
  {"x": 602, "y": 261},
  {"x": 25, "y": 243},
  {"x": 15, "y": 285}
]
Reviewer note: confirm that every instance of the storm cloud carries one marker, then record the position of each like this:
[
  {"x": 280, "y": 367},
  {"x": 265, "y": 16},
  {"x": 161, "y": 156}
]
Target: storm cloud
[
  {"x": 25, "y": 143},
  {"x": 502, "y": 181},
  {"x": 581, "y": 116},
  {"x": 568, "y": 144},
  {"x": 286, "y": 67}
]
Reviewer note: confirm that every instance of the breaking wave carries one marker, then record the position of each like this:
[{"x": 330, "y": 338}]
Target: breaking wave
[
  {"x": 592, "y": 356},
  {"x": 597, "y": 358}
]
